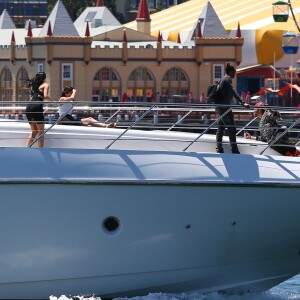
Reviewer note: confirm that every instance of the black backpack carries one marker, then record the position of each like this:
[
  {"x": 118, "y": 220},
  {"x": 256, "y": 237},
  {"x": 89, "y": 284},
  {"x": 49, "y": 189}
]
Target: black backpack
[{"x": 214, "y": 93}]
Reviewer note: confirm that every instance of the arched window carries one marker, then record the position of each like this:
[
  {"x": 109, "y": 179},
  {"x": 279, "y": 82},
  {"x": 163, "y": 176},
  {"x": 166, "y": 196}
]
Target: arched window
[
  {"x": 141, "y": 85},
  {"x": 106, "y": 85},
  {"x": 175, "y": 83},
  {"x": 22, "y": 92},
  {"x": 6, "y": 90}
]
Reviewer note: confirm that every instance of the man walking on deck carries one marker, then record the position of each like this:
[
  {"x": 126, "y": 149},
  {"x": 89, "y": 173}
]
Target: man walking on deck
[{"x": 227, "y": 92}]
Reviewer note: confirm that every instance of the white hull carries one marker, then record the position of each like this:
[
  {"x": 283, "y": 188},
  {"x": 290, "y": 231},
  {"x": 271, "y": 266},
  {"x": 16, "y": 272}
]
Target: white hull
[
  {"x": 187, "y": 221},
  {"x": 59, "y": 247},
  {"x": 14, "y": 134}
]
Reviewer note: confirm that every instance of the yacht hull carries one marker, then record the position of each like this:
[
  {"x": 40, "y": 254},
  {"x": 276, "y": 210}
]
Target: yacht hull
[{"x": 110, "y": 223}]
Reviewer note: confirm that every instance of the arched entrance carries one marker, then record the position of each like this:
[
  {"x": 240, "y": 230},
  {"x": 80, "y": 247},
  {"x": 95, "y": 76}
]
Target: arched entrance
[
  {"x": 141, "y": 85},
  {"x": 175, "y": 83},
  {"x": 6, "y": 88},
  {"x": 106, "y": 85}
]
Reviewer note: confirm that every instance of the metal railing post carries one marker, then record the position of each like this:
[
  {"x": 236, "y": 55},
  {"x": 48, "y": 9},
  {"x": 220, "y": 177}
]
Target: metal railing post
[
  {"x": 246, "y": 126},
  {"x": 208, "y": 128},
  {"x": 180, "y": 120},
  {"x": 280, "y": 136},
  {"x": 45, "y": 131},
  {"x": 128, "y": 128}
]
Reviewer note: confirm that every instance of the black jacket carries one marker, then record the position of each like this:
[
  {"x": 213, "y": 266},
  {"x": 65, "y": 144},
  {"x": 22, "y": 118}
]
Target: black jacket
[{"x": 228, "y": 91}]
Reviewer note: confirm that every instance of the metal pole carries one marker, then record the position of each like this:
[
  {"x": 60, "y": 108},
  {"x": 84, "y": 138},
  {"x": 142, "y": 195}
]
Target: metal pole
[
  {"x": 208, "y": 128},
  {"x": 140, "y": 118}
]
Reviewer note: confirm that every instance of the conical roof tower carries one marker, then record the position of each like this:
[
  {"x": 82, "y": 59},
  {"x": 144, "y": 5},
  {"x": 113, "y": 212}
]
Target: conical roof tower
[
  {"x": 143, "y": 18},
  {"x": 61, "y": 22},
  {"x": 211, "y": 26},
  {"x": 99, "y": 3},
  {"x": 6, "y": 21}
]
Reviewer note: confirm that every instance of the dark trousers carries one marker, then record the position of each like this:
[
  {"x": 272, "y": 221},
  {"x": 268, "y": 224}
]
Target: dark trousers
[
  {"x": 226, "y": 122},
  {"x": 68, "y": 120}
]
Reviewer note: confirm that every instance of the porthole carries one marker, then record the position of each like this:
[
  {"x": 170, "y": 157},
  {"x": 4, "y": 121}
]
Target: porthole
[{"x": 111, "y": 224}]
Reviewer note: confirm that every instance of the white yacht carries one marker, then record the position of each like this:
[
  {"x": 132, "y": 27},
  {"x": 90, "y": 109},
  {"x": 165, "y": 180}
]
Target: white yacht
[{"x": 124, "y": 212}]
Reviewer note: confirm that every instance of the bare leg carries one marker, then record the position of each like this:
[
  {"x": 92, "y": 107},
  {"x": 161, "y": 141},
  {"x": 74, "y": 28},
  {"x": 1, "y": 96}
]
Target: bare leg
[
  {"x": 94, "y": 123},
  {"x": 34, "y": 131},
  {"x": 41, "y": 129}
]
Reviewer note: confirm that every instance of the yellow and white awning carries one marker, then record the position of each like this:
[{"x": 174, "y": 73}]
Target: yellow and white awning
[{"x": 255, "y": 18}]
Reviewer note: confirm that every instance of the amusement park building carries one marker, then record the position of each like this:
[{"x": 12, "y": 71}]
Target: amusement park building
[
  {"x": 262, "y": 49},
  {"x": 105, "y": 60}
]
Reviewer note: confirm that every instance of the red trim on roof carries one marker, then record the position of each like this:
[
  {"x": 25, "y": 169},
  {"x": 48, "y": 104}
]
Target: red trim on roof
[
  {"x": 238, "y": 31},
  {"x": 159, "y": 37},
  {"x": 87, "y": 30},
  {"x": 99, "y": 3},
  {"x": 49, "y": 31},
  {"x": 29, "y": 31},
  {"x": 124, "y": 36},
  {"x": 13, "y": 37},
  {"x": 266, "y": 72},
  {"x": 143, "y": 12},
  {"x": 199, "y": 33}
]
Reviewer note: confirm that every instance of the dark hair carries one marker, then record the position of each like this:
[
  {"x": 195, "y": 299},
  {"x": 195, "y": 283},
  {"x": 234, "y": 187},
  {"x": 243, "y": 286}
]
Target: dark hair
[
  {"x": 35, "y": 82},
  {"x": 229, "y": 68},
  {"x": 67, "y": 89}
]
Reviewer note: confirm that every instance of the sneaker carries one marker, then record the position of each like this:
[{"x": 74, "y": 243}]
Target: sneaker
[{"x": 220, "y": 150}]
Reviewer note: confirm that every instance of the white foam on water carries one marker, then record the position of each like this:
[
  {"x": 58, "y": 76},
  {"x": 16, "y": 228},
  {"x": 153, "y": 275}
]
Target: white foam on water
[{"x": 288, "y": 290}]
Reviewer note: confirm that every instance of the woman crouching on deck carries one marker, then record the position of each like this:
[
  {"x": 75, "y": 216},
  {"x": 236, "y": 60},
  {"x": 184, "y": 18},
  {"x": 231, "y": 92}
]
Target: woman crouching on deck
[{"x": 65, "y": 111}]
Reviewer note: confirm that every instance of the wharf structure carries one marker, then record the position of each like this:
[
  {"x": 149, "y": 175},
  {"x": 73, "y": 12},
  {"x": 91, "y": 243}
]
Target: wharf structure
[{"x": 106, "y": 61}]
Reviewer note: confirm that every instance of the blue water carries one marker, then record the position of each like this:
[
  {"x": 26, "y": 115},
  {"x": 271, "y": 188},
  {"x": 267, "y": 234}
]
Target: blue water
[{"x": 287, "y": 290}]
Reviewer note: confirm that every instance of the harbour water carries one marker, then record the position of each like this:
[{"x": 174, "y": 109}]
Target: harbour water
[{"x": 287, "y": 290}]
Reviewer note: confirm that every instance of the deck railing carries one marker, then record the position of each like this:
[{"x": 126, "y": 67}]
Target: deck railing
[{"x": 199, "y": 118}]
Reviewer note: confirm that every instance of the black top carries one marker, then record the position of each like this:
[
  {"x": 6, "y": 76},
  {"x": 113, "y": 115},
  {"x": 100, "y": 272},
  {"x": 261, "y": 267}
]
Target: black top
[{"x": 228, "y": 91}]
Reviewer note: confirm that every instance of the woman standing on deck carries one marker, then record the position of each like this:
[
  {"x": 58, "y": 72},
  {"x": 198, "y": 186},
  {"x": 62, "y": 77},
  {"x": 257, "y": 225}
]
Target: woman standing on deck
[{"x": 39, "y": 91}]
